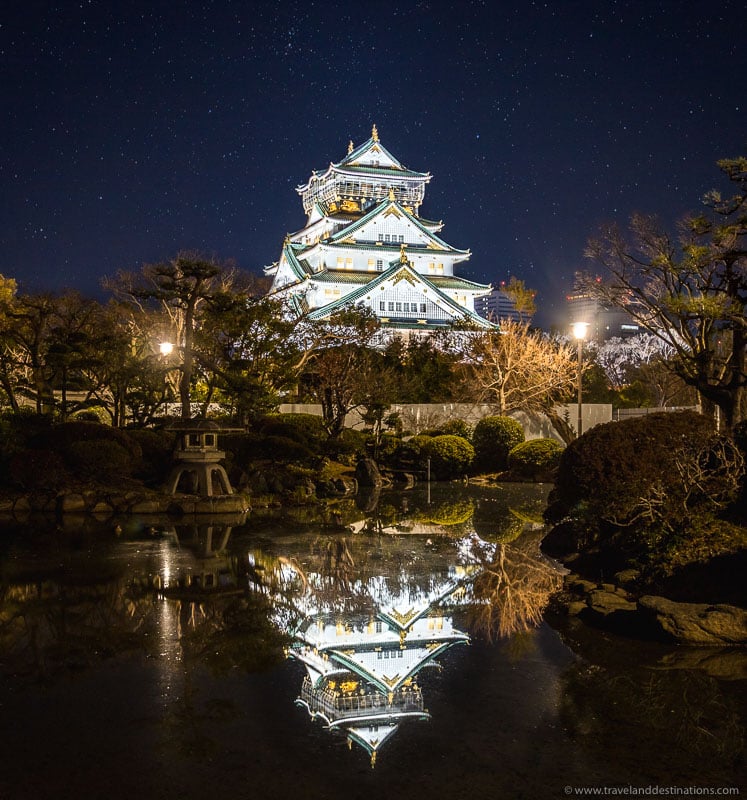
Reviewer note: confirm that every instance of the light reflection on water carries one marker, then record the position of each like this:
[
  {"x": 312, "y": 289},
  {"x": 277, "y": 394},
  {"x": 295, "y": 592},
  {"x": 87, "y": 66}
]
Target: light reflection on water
[{"x": 413, "y": 634}]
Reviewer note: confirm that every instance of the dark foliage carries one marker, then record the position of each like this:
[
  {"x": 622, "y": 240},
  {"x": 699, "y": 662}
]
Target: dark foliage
[
  {"x": 37, "y": 470},
  {"x": 647, "y": 490},
  {"x": 493, "y": 439},
  {"x": 61, "y": 437},
  {"x": 612, "y": 465},
  {"x": 157, "y": 447},
  {"x": 99, "y": 460},
  {"x": 536, "y": 459}
]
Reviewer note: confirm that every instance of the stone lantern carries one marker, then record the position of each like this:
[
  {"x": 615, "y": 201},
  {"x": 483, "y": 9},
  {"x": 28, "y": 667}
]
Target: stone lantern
[{"x": 198, "y": 458}]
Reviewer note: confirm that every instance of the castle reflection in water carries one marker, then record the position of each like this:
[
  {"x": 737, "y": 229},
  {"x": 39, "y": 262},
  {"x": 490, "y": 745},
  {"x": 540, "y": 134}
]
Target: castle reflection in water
[{"x": 367, "y": 609}]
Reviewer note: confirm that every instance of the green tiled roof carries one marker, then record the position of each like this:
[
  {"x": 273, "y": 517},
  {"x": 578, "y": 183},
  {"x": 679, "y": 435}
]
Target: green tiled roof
[
  {"x": 345, "y": 276},
  {"x": 347, "y": 162},
  {"x": 453, "y": 282},
  {"x": 357, "y": 294},
  {"x": 344, "y": 233},
  {"x": 380, "y": 170}
]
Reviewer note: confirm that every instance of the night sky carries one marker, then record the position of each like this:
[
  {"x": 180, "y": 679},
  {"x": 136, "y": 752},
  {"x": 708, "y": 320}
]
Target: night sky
[{"x": 133, "y": 133}]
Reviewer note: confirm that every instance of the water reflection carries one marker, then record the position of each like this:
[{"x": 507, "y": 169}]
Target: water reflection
[
  {"x": 361, "y": 617},
  {"x": 372, "y": 607},
  {"x": 363, "y": 634}
]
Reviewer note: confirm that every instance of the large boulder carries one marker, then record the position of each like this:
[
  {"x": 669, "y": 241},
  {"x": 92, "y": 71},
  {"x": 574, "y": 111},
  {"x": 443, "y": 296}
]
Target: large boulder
[
  {"x": 367, "y": 473},
  {"x": 697, "y": 623}
]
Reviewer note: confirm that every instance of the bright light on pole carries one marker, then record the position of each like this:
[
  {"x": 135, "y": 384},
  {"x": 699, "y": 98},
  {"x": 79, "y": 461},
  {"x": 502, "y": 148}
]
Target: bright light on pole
[
  {"x": 579, "y": 331},
  {"x": 166, "y": 349}
]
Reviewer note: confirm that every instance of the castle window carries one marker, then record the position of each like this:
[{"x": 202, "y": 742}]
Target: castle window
[
  {"x": 381, "y": 305},
  {"x": 422, "y": 308},
  {"x": 399, "y": 306},
  {"x": 402, "y": 237},
  {"x": 391, "y": 306},
  {"x": 379, "y": 264}
]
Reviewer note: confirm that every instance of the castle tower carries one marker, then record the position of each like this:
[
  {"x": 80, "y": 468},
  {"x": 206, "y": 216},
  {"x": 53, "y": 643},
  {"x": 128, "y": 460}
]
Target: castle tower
[{"x": 365, "y": 243}]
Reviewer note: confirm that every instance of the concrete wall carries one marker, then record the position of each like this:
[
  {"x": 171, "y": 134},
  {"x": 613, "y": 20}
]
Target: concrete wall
[{"x": 421, "y": 416}]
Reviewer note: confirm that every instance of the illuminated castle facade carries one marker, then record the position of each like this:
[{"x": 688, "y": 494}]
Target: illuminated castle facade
[{"x": 365, "y": 243}]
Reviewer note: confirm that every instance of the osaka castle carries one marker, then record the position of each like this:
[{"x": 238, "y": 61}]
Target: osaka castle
[{"x": 365, "y": 243}]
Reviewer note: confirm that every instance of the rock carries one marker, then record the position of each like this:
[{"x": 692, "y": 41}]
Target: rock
[
  {"x": 697, "y": 623},
  {"x": 367, "y": 473},
  {"x": 345, "y": 486},
  {"x": 579, "y": 585},
  {"x": 71, "y": 503},
  {"x": 627, "y": 577},
  {"x": 604, "y": 602},
  {"x": 152, "y": 506},
  {"x": 560, "y": 541},
  {"x": 22, "y": 504}
]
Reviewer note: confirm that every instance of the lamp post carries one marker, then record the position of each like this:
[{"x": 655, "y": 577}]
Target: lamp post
[
  {"x": 579, "y": 331},
  {"x": 166, "y": 349}
]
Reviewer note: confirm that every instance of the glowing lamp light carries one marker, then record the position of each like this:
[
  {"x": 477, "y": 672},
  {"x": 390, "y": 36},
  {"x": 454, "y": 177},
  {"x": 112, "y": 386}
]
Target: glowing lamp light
[
  {"x": 166, "y": 348},
  {"x": 580, "y": 329}
]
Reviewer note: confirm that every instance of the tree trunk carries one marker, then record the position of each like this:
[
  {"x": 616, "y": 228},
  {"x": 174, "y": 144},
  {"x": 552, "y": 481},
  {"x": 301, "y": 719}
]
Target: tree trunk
[{"x": 562, "y": 426}]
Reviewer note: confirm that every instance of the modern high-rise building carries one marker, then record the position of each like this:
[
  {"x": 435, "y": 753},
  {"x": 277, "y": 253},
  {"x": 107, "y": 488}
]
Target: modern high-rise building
[
  {"x": 365, "y": 243},
  {"x": 605, "y": 321},
  {"x": 496, "y": 305}
]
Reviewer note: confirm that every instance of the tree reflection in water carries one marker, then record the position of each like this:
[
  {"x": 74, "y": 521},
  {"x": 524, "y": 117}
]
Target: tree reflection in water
[{"x": 511, "y": 587}]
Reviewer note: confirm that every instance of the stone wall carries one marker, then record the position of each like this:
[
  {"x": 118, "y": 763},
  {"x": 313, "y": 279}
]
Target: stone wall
[{"x": 421, "y": 416}]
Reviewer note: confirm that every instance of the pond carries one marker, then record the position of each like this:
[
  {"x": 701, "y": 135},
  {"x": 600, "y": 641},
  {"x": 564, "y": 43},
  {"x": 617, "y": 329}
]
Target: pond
[{"x": 392, "y": 645}]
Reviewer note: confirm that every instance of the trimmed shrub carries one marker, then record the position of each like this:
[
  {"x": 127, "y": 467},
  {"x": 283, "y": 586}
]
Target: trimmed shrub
[
  {"x": 346, "y": 449},
  {"x": 458, "y": 427},
  {"x": 613, "y": 465},
  {"x": 451, "y": 456},
  {"x": 284, "y": 450},
  {"x": 645, "y": 485},
  {"x": 99, "y": 459},
  {"x": 409, "y": 455},
  {"x": 536, "y": 459},
  {"x": 62, "y": 437},
  {"x": 157, "y": 447},
  {"x": 493, "y": 439},
  {"x": 452, "y": 427},
  {"x": 243, "y": 448},
  {"x": 309, "y": 425}
]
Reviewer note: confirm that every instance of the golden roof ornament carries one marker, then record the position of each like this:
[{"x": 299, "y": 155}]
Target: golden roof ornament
[
  {"x": 391, "y": 193},
  {"x": 374, "y": 134},
  {"x": 350, "y": 147},
  {"x": 402, "y": 254}
]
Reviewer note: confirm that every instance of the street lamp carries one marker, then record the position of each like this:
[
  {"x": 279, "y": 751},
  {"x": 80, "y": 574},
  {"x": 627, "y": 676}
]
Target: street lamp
[
  {"x": 166, "y": 349},
  {"x": 579, "y": 331}
]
